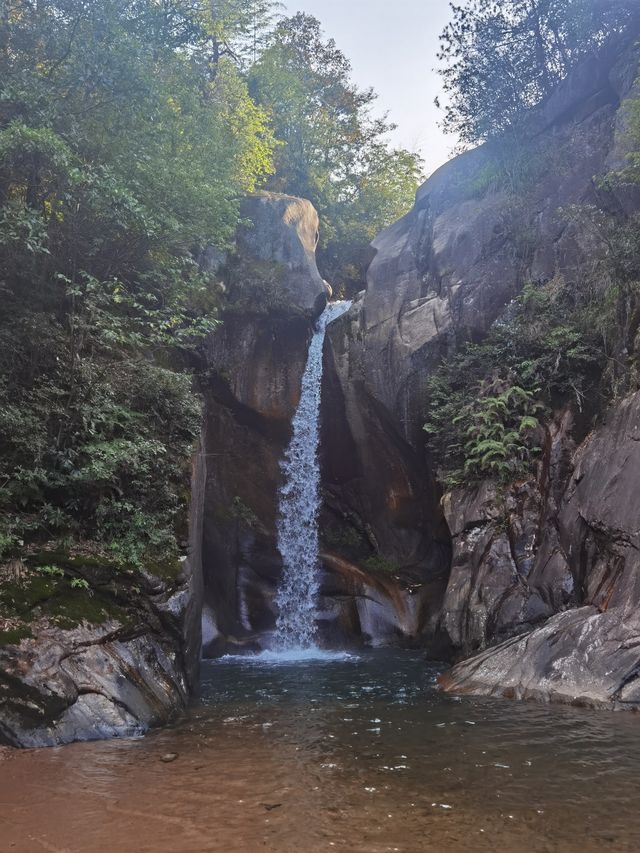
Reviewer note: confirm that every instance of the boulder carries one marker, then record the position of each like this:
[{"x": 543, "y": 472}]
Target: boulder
[
  {"x": 253, "y": 366},
  {"x": 282, "y": 232},
  {"x": 131, "y": 662}
]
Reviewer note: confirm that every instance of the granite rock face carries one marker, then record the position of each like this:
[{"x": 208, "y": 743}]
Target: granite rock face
[
  {"x": 590, "y": 655},
  {"x": 284, "y": 231},
  {"x": 254, "y": 364},
  {"x": 254, "y": 367},
  {"x": 546, "y": 566},
  {"x": 381, "y": 503},
  {"x": 581, "y": 657},
  {"x": 509, "y": 570},
  {"x": 483, "y": 226},
  {"x": 115, "y": 677}
]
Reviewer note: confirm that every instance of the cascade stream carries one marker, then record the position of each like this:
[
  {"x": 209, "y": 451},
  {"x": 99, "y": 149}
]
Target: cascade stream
[{"x": 299, "y": 504}]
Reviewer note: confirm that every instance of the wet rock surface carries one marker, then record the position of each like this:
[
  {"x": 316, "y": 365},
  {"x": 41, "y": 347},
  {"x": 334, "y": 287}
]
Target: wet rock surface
[
  {"x": 130, "y": 662},
  {"x": 255, "y": 363},
  {"x": 582, "y": 657}
]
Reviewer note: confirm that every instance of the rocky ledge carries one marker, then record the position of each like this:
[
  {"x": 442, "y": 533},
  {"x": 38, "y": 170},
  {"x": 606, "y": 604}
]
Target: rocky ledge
[
  {"x": 98, "y": 652},
  {"x": 589, "y": 554},
  {"x": 125, "y": 665}
]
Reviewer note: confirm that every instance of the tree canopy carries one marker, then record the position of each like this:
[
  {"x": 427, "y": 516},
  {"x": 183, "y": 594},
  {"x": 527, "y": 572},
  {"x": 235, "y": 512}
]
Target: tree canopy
[
  {"x": 498, "y": 59},
  {"x": 124, "y": 146},
  {"x": 332, "y": 150},
  {"x": 129, "y": 132}
]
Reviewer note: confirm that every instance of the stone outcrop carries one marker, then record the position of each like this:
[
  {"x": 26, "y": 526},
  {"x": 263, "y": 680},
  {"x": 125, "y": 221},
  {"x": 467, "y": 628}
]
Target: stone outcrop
[
  {"x": 539, "y": 577},
  {"x": 381, "y": 504},
  {"x": 485, "y": 224},
  {"x": 254, "y": 367},
  {"x": 509, "y": 569},
  {"x": 590, "y": 655},
  {"x": 253, "y": 370},
  {"x": 130, "y": 662},
  {"x": 482, "y": 227}
]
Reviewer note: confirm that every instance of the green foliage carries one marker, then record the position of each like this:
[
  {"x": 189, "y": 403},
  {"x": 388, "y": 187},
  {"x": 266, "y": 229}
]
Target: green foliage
[
  {"x": 500, "y": 59},
  {"x": 630, "y": 138},
  {"x": 380, "y": 565},
  {"x": 497, "y": 430},
  {"x": 331, "y": 151},
  {"x": 486, "y": 400},
  {"x": 126, "y": 143},
  {"x": 242, "y": 512},
  {"x": 567, "y": 341},
  {"x": 51, "y": 571}
]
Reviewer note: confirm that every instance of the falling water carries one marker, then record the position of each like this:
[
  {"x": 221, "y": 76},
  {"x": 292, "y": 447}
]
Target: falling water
[{"x": 300, "y": 503}]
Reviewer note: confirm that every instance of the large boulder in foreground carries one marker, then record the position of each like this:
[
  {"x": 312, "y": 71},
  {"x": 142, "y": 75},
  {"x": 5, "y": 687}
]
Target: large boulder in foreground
[
  {"x": 101, "y": 652},
  {"x": 581, "y": 657},
  {"x": 591, "y": 655}
]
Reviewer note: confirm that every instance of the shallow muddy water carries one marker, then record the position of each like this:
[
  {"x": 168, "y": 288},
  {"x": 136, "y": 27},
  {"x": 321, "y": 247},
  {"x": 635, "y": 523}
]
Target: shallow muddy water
[{"x": 359, "y": 754}]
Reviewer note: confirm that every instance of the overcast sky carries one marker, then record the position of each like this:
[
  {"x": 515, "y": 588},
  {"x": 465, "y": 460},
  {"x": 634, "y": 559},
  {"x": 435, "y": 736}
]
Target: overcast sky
[{"x": 392, "y": 46}]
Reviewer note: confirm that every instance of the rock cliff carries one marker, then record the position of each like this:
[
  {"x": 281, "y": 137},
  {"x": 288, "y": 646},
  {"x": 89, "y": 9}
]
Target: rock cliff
[
  {"x": 546, "y": 567},
  {"x": 254, "y": 366},
  {"x": 589, "y": 557}
]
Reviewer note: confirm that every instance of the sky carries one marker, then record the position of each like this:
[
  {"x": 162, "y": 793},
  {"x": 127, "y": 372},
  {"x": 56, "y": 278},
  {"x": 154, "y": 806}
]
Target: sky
[{"x": 392, "y": 46}]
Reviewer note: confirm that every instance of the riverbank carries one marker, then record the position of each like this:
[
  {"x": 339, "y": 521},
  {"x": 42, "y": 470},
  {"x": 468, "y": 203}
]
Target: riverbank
[{"x": 362, "y": 754}]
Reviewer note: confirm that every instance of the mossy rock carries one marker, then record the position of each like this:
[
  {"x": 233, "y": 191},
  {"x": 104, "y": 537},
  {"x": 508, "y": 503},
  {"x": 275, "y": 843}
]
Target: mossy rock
[
  {"x": 166, "y": 569},
  {"x": 98, "y": 570},
  {"x": 19, "y": 598},
  {"x": 54, "y": 597},
  {"x": 346, "y": 540},
  {"x": 14, "y": 636},
  {"x": 379, "y": 565},
  {"x": 73, "y": 607}
]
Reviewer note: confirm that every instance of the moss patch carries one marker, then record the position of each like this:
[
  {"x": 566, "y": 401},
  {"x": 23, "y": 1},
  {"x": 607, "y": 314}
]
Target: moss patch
[
  {"x": 168, "y": 569},
  {"x": 52, "y": 596},
  {"x": 13, "y": 636},
  {"x": 380, "y": 565}
]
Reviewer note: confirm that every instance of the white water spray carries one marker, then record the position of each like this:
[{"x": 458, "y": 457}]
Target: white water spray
[{"x": 300, "y": 504}]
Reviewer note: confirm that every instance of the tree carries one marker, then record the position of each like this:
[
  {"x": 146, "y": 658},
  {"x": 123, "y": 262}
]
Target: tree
[
  {"x": 501, "y": 58},
  {"x": 332, "y": 151},
  {"x": 238, "y": 29},
  {"x": 120, "y": 155}
]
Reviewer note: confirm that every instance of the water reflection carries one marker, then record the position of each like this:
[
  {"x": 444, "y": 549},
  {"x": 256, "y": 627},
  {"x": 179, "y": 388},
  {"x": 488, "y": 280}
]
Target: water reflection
[{"x": 358, "y": 754}]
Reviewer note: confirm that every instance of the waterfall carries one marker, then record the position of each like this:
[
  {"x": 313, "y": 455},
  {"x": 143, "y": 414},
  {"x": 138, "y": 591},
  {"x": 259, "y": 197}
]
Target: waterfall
[{"x": 300, "y": 503}]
